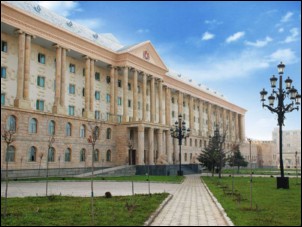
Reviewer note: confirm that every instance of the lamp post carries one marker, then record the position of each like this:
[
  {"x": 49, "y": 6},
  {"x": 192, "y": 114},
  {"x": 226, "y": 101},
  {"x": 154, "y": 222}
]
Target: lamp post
[
  {"x": 280, "y": 94},
  {"x": 179, "y": 131}
]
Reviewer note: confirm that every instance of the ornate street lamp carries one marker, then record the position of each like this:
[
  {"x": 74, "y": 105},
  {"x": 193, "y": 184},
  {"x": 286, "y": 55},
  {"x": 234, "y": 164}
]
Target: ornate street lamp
[
  {"x": 179, "y": 131},
  {"x": 280, "y": 94}
]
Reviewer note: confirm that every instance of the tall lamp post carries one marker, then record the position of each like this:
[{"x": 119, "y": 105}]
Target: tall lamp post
[
  {"x": 179, "y": 131},
  {"x": 280, "y": 94}
]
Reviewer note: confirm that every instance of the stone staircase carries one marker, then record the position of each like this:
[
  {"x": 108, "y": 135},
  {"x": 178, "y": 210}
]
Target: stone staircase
[{"x": 125, "y": 170}]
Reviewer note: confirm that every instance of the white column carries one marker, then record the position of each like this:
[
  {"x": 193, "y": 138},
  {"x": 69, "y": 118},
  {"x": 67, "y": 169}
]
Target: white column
[
  {"x": 159, "y": 144},
  {"x": 144, "y": 100},
  {"x": 160, "y": 100},
  {"x": 141, "y": 145},
  {"x": 151, "y": 146},
  {"x": 135, "y": 95},
  {"x": 125, "y": 94},
  {"x": 152, "y": 119},
  {"x": 168, "y": 146}
]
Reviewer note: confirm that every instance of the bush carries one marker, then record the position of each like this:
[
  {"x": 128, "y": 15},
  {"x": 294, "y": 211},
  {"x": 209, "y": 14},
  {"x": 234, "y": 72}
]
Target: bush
[{"x": 108, "y": 195}]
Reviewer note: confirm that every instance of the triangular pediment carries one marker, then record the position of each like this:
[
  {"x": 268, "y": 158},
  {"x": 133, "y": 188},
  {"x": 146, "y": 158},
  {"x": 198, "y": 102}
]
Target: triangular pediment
[{"x": 147, "y": 52}]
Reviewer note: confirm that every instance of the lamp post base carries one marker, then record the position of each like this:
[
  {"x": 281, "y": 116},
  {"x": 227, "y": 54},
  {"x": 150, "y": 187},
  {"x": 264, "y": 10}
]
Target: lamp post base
[
  {"x": 283, "y": 182},
  {"x": 180, "y": 173}
]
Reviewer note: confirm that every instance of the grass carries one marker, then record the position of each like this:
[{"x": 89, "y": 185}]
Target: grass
[
  {"x": 270, "y": 206},
  {"x": 75, "y": 211},
  {"x": 262, "y": 171},
  {"x": 141, "y": 178}
]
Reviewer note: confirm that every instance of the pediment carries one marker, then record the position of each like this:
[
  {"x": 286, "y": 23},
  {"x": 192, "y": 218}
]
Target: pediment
[{"x": 147, "y": 52}]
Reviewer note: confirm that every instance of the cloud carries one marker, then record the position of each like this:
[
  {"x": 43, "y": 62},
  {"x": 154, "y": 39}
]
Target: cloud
[
  {"x": 93, "y": 23},
  {"x": 260, "y": 43},
  {"x": 287, "y": 56},
  {"x": 142, "y": 31},
  {"x": 286, "y": 17},
  {"x": 213, "y": 22},
  {"x": 293, "y": 37},
  {"x": 207, "y": 36},
  {"x": 235, "y": 37},
  {"x": 63, "y": 8},
  {"x": 281, "y": 30}
]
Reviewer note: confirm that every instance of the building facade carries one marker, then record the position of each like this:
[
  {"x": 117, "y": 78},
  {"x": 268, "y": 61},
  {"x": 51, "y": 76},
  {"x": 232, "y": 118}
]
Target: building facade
[{"x": 58, "y": 77}]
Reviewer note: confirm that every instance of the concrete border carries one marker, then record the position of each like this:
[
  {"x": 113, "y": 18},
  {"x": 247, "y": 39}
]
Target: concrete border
[
  {"x": 220, "y": 208},
  {"x": 158, "y": 210}
]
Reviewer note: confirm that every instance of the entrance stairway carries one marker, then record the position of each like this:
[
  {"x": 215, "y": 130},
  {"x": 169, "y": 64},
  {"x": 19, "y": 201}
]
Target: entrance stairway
[{"x": 125, "y": 170}]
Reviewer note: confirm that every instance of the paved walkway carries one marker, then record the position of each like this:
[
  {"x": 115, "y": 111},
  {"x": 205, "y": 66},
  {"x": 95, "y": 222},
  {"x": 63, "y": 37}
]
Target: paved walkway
[{"x": 191, "y": 205}]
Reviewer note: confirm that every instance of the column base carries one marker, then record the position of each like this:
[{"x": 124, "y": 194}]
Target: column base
[
  {"x": 22, "y": 104},
  {"x": 58, "y": 110}
]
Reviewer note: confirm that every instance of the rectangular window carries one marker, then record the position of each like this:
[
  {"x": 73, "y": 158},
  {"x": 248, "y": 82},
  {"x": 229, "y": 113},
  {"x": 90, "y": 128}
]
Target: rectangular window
[
  {"x": 40, "y": 105},
  {"x": 2, "y": 99},
  {"x": 97, "y": 76},
  {"x": 108, "y": 98},
  {"x": 119, "y": 101},
  {"x": 71, "y": 89},
  {"x": 97, "y": 115},
  {"x": 41, "y": 58},
  {"x": 107, "y": 116},
  {"x": 119, "y": 118},
  {"x": 129, "y": 103},
  {"x": 3, "y": 72},
  {"x": 3, "y": 46},
  {"x": 97, "y": 95},
  {"x": 72, "y": 68},
  {"x": 173, "y": 113},
  {"x": 108, "y": 79},
  {"x": 41, "y": 81},
  {"x": 138, "y": 105},
  {"x": 138, "y": 89},
  {"x": 71, "y": 110},
  {"x": 119, "y": 83},
  {"x": 129, "y": 87},
  {"x": 84, "y": 70}
]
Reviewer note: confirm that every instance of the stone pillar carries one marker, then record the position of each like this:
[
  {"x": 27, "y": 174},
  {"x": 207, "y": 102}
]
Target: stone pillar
[
  {"x": 27, "y": 67},
  {"x": 224, "y": 120},
  {"x": 92, "y": 94},
  {"x": 180, "y": 104},
  {"x": 63, "y": 78},
  {"x": 236, "y": 127},
  {"x": 112, "y": 96},
  {"x": 176, "y": 150},
  {"x": 116, "y": 91},
  {"x": 152, "y": 119},
  {"x": 242, "y": 127},
  {"x": 21, "y": 60},
  {"x": 201, "y": 118},
  {"x": 87, "y": 113},
  {"x": 168, "y": 147},
  {"x": 141, "y": 145},
  {"x": 191, "y": 114},
  {"x": 151, "y": 146},
  {"x": 135, "y": 96},
  {"x": 160, "y": 100},
  {"x": 230, "y": 125},
  {"x": 144, "y": 100},
  {"x": 209, "y": 119},
  {"x": 159, "y": 144},
  {"x": 125, "y": 94},
  {"x": 168, "y": 106},
  {"x": 58, "y": 75}
]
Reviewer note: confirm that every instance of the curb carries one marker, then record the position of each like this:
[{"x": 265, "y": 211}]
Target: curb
[
  {"x": 158, "y": 210},
  {"x": 220, "y": 208}
]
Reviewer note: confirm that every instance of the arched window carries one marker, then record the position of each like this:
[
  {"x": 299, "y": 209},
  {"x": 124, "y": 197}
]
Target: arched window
[
  {"x": 67, "y": 155},
  {"x": 32, "y": 156},
  {"x": 82, "y": 131},
  {"x": 51, "y": 127},
  {"x": 51, "y": 155},
  {"x": 68, "y": 129},
  {"x": 11, "y": 123},
  {"x": 96, "y": 155},
  {"x": 108, "y": 156},
  {"x": 82, "y": 155},
  {"x": 10, "y": 154},
  {"x": 108, "y": 134},
  {"x": 32, "y": 125}
]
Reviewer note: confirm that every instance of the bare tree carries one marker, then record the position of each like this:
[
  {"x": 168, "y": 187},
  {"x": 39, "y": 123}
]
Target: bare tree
[
  {"x": 40, "y": 155},
  {"x": 51, "y": 140},
  {"x": 8, "y": 135},
  {"x": 94, "y": 135}
]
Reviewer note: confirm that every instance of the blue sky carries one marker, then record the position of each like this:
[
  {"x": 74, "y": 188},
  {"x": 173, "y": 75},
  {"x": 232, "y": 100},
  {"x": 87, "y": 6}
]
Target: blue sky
[{"x": 231, "y": 47}]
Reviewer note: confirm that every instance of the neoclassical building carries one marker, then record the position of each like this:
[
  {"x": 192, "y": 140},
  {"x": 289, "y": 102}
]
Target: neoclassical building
[{"x": 58, "y": 77}]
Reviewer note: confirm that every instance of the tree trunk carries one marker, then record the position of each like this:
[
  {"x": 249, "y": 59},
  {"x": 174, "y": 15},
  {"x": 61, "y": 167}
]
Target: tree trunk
[{"x": 6, "y": 181}]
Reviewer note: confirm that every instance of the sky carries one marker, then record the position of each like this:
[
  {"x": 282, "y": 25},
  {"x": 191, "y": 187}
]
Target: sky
[{"x": 231, "y": 47}]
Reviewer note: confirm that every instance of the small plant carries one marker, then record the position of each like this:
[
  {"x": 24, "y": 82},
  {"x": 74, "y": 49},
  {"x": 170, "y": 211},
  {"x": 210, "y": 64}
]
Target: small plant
[
  {"x": 108, "y": 195},
  {"x": 51, "y": 197}
]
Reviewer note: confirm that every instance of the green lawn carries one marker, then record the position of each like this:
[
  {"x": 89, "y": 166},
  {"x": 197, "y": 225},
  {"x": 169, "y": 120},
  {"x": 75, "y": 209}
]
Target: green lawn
[
  {"x": 168, "y": 179},
  {"x": 262, "y": 171},
  {"x": 75, "y": 211},
  {"x": 270, "y": 206}
]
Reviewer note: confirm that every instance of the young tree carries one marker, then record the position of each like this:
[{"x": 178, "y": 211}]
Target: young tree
[
  {"x": 214, "y": 156},
  {"x": 51, "y": 140},
  {"x": 8, "y": 135},
  {"x": 237, "y": 159}
]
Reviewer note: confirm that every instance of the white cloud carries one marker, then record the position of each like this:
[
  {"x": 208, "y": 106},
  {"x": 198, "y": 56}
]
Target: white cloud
[
  {"x": 63, "y": 8},
  {"x": 287, "y": 56},
  {"x": 287, "y": 17},
  {"x": 235, "y": 37},
  {"x": 293, "y": 37},
  {"x": 281, "y": 30},
  {"x": 213, "y": 22},
  {"x": 142, "y": 31},
  {"x": 207, "y": 36},
  {"x": 260, "y": 43},
  {"x": 93, "y": 24}
]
